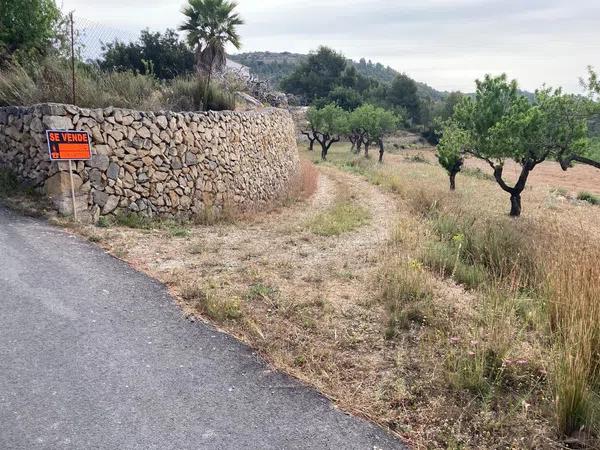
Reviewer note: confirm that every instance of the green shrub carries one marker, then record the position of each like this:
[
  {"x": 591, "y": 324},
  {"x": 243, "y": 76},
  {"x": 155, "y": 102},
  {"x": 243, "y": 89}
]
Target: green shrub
[
  {"x": 260, "y": 291},
  {"x": 10, "y": 185},
  {"x": 134, "y": 220},
  {"x": 496, "y": 246},
  {"x": 588, "y": 197},
  {"x": 104, "y": 222}
]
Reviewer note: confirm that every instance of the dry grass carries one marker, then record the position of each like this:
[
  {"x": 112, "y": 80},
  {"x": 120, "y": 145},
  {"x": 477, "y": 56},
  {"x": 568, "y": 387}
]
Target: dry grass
[
  {"x": 532, "y": 339},
  {"x": 574, "y": 314},
  {"x": 439, "y": 318},
  {"x": 304, "y": 185}
]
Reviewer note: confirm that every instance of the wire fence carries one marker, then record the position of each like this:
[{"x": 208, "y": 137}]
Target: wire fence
[
  {"x": 88, "y": 40},
  {"x": 91, "y": 38}
]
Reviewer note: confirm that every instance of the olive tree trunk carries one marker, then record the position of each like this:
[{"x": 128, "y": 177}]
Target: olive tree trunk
[
  {"x": 516, "y": 190},
  {"x": 452, "y": 176},
  {"x": 515, "y": 205}
]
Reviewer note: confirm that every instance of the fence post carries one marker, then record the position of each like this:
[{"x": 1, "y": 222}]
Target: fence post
[{"x": 72, "y": 62}]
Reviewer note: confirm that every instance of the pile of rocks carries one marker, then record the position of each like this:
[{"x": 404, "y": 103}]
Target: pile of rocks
[{"x": 168, "y": 164}]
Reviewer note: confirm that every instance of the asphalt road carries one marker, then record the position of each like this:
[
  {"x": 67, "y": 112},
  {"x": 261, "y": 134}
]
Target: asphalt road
[{"x": 96, "y": 355}]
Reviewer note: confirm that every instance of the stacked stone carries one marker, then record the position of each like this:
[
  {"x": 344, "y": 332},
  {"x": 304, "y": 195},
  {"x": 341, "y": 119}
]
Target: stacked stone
[{"x": 167, "y": 164}]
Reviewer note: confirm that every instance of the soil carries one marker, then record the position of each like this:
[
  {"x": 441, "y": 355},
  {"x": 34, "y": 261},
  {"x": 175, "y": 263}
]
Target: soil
[{"x": 547, "y": 174}]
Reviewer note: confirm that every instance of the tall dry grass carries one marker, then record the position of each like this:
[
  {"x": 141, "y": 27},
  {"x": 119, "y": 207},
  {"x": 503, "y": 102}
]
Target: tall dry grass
[
  {"x": 304, "y": 184},
  {"x": 574, "y": 316},
  {"x": 50, "y": 80}
]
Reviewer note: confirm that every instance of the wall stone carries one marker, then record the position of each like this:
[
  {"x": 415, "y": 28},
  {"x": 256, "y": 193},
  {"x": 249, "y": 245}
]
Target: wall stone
[{"x": 167, "y": 164}]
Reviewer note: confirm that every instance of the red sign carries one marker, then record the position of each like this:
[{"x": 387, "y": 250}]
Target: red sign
[{"x": 69, "y": 145}]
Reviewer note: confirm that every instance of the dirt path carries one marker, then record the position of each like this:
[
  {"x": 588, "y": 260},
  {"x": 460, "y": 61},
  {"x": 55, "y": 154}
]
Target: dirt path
[
  {"x": 306, "y": 302},
  {"x": 276, "y": 245}
]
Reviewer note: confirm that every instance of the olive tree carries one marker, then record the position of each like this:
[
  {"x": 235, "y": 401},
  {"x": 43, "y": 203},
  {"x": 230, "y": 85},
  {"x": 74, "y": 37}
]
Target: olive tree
[
  {"x": 326, "y": 125},
  {"x": 450, "y": 150},
  {"x": 503, "y": 124},
  {"x": 370, "y": 124}
]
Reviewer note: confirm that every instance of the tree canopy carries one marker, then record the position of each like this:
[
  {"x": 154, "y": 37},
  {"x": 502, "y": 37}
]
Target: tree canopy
[
  {"x": 371, "y": 123},
  {"x": 210, "y": 26},
  {"x": 317, "y": 76},
  {"x": 503, "y": 124},
  {"x": 160, "y": 54},
  {"x": 327, "y": 124},
  {"x": 28, "y": 27},
  {"x": 450, "y": 150}
]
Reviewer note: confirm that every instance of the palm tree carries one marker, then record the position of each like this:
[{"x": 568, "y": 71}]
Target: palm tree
[{"x": 211, "y": 25}]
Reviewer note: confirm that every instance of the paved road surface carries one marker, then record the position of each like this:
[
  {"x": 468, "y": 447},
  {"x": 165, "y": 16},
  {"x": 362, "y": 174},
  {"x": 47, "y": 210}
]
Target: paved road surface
[{"x": 96, "y": 355}]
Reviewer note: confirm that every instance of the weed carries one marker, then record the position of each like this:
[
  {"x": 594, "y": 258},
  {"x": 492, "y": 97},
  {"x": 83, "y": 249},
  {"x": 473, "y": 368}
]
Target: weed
[
  {"x": 445, "y": 258},
  {"x": 178, "y": 231},
  {"x": 559, "y": 192},
  {"x": 205, "y": 300},
  {"x": 343, "y": 217},
  {"x": 9, "y": 184},
  {"x": 300, "y": 361},
  {"x": 261, "y": 291},
  {"x": 406, "y": 294},
  {"x": 134, "y": 220},
  {"x": 305, "y": 183},
  {"x": 589, "y": 197},
  {"x": 574, "y": 309},
  {"x": 104, "y": 222}
]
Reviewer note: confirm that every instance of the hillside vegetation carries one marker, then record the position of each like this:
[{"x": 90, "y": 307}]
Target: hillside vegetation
[{"x": 275, "y": 66}]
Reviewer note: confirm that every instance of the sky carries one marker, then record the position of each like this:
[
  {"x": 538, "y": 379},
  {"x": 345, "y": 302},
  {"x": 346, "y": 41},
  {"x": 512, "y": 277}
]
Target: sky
[{"x": 444, "y": 43}]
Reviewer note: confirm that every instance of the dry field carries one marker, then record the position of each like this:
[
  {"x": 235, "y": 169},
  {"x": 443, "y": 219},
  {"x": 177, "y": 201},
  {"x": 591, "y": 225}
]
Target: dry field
[
  {"x": 376, "y": 290},
  {"x": 547, "y": 175}
]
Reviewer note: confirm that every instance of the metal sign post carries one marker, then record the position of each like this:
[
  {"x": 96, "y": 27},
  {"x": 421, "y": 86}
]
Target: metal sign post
[
  {"x": 64, "y": 145},
  {"x": 72, "y": 190}
]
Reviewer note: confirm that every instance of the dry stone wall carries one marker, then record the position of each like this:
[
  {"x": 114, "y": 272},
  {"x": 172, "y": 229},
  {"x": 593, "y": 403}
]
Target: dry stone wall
[{"x": 168, "y": 164}]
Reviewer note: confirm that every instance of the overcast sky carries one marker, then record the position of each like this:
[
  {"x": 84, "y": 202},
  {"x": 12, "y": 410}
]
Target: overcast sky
[{"x": 444, "y": 43}]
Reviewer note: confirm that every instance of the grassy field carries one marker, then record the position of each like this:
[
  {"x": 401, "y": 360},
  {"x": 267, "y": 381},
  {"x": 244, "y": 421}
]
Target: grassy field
[{"x": 431, "y": 313}]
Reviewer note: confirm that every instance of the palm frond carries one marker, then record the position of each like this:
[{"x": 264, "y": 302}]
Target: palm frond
[{"x": 210, "y": 26}]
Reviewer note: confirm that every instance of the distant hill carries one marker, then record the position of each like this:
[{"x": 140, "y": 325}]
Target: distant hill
[{"x": 273, "y": 66}]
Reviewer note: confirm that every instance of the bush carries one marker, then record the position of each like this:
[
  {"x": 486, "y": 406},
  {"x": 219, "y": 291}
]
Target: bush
[
  {"x": 446, "y": 259},
  {"x": 496, "y": 246}
]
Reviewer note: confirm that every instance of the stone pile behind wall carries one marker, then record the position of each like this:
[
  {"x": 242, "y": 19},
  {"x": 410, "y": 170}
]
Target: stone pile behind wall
[{"x": 167, "y": 164}]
